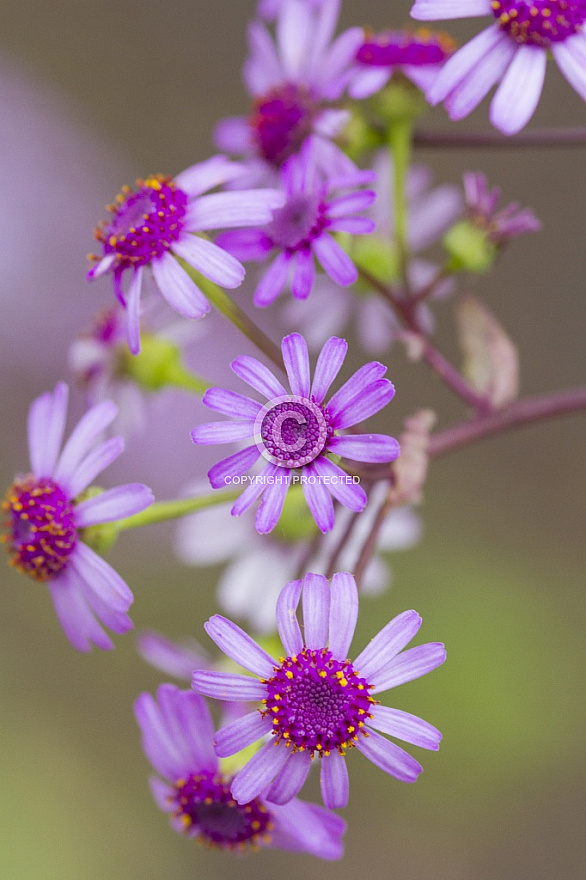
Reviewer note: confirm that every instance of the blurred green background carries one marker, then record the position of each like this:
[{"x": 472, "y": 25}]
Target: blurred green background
[{"x": 136, "y": 87}]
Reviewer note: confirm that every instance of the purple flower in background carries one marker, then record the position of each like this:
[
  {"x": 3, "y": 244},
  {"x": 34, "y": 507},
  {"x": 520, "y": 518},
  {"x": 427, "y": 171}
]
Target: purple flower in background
[
  {"x": 418, "y": 55},
  {"x": 431, "y": 210},
  {"x": 46, "y": 519},
  {"x": 512, "y": 51},
  {"x": 256, "y": 565},
  {"x": 177, "y": 738},
  {"x": 160, "y": 221},
  {"x": 294, "y": 82},
  {"x": 314, "y": 701},
  {"x": 300, "y": 231},
  {"x": 481, "y": 207},
  {"x": 295, "y": 431}
]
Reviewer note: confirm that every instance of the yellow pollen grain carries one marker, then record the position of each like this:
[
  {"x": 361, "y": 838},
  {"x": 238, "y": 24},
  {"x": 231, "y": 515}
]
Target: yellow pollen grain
[
  {"x": 274, "y": 708},
  {"x": 322, "y": 673},
  {"x": 289, "y": 674},
  {"x": 546, "y": 12}
]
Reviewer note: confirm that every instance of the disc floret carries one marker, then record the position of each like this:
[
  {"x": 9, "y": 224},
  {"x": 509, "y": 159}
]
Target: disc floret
[
  {"x": 317, "y": 703},
  {"x": 203, "y": 804},
  {"x": 539, "y": 22}
]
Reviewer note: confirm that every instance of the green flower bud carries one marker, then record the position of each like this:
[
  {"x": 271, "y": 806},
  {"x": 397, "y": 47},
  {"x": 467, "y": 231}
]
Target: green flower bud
[
  {"x": 469, "y": 247},
  {"x": 158, "y": 366}
]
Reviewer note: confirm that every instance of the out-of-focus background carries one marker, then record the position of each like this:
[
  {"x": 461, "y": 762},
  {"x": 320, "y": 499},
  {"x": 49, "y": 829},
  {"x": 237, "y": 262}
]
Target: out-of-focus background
[{"x": 93, "y": 95}]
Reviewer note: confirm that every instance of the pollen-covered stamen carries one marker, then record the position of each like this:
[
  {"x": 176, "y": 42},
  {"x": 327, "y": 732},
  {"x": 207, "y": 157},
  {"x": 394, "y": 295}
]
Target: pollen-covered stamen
[
  {"x": 298, "y": 223},
  {"x": 416, "y": 48},
  {"x": 146, "y": 222},
  {"x": 281, "y": 121},
  {"x": 204, "y": 804},
  {"x": 539, "y": 22},
  {"x": 40, "y": 527},
  {"x": 292, "y": 431},
  {"x": 317, "y": 703}
]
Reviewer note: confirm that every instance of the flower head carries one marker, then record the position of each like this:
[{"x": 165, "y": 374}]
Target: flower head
[
  {"x": 160, "y": 221},
  {"x": 46, "y": 519},
  {"x": 500, "y": 225},
  {"x": 512, "y": 51},
  {"x": 418, "y": 55},
  {"x": 294, "y": 82},
  {"x": 315, "y": 702},
  {"x": 300, "y": 231},
  {"x": 177, "y": 737},
  {"x": 295, "y": 432}
]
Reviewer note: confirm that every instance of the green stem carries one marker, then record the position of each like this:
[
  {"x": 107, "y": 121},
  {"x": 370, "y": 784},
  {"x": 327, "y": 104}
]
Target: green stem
[
  {"x": 400, "y": 142},
  {"x": 180, "y": 377},
  {"x": 161, "y": 511},
  {"x": 226, "y": 305}
]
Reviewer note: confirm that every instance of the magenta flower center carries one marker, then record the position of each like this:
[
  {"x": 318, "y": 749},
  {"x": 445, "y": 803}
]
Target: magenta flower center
[
  {"x": 41, "y": 531},
  {"x": 317, "y": 703},
  {"x": 299, "y": 222},
  {"x": 539, "y": 22},
  {"x": 204, "y": 805},
  {"x": 291, "y": 431},
  {"x": 145, "y": 222},
  {"x": 281, "y": 121},
  {"x": 417, "y": 49}
]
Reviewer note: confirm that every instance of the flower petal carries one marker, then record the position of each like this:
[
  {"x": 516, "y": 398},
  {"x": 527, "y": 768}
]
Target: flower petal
[
  {"x": 46, "y": 425},
  {"x": 94, "y": 463},
  {"x": 460, "y": 65},
  {"x": 79, "y": 624},
  {"x": 101, "y": 577},
  {"x": 316, "y": 610},
  {"x": 259, "y": 772},
  {"x": 287, "y": 623},
  {"x": 230, "y": 403},
  {"x": 518, "y": 95},
  {"x": 385, "y": 646},
  {"x": 180, "y": 291},
  {"x": 318, "y": 500},
  {"x": 82, "y": 439},
  {"x": 206, "y": 175},
  {"x": 190, "y": 725},
  {"x": 214, "y": 263},
  {"x": 341, "y": 486},
  {"x": 334, "y": 781},
  {"x": 211, "y": 433},
  {"x": 389, "y": 757},
  {"x": 241, "y": 733},
  {"x": 257, "y": 376},
  {"x": 228, "y": 686},
  {"x": 113, "y": 504},
  {"x": 273, "y": 281},
  {"x": 303, "y": 274},
  {"x": 273, "y": 499},
  {"x": 570, "y": 56},
  {"x": 308, "y": 828},
  {"x": 366, "y": 447},
  {"x": 436, "y": 10},
  {"x": 408, "y": 666},
  {"x": 329, "y": 364},
  {"x": 290, "y": 779},
  {"x": 371, "y": 400},
  {"x": 176, "y": 659},
  {"x": 335, "y": 261},
  {"x": 405, "y": 726},
  {"x": 343, "y": 614},
  {"x": 238, "y": 645},
  {"x": 133, "y": 310},
  {"x": 354, "y": 387},
  {"x": 222, "y": 473},
  {"x": 226, "y": 210},
  {"x": 478, "y": 82},
  {"x": 296, "y": 357}
]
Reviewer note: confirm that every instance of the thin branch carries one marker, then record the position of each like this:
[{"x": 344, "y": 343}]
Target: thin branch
[{"x": 563, "y": 137}]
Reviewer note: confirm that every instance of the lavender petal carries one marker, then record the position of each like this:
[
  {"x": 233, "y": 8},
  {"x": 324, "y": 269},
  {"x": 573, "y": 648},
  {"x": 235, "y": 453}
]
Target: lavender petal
[
  {"x": 372, "y": 399},
  {"x": 259, "y": 772},
  {"x": 366, "y": 447},
  {"x": 230, "y": 403},
  {"x": 233, "y": 466},
  {"x": 319, "y": 501},
  {"x": 257, "y": 376},
  {"x": 82, "y": 439},
  {"x": 180, "y": 291},
  {"x": 334, "y": 260},
  {"x": 241, "y": 733},
  {"x": 405, "y": 726},
  {"x": 227, "y": 686},
  {"x": 362, "y": 378},
  {"x": 101, "y": 577},
  {"x": 350, "y": 494},
  {"x": 334, "y": 781},
  {"x": 211, "y": 433},
  {"x": 46, "y": 425},
  {"x": 343, "y": 614},
  {"x": 329, "y": 363},
  {"x": 385, "y": 646},
  {"x": 273, "y": 282},
  {"x": 113, "y": 504},
  {"x": 273, "y": 499},
  {"x": 290, "y": 779},
  {"x": 94, "y": 463},
  {"x": 296, "y": 359},
  {"x": 287, "y": 623},
  {"x": 214, "y": 263},
  {"x": 389, "y": 757},
  {"x": 316, "y": 610},
  {"x": 74, "y": 615},
  {"x": 238, "y": 645},
  {"x": 408, "y": 666}
]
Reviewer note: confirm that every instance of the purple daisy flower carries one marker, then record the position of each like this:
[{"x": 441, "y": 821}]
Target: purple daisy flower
[
  {"x": 296, "y": 431},
  {"x": 314, "y": 701},
  {"x": 46, "y": 519},
  {"x": 418, "y": 55},
  {"x": 300, "y": 231},
  {"x": 481, "y": 207},
  {"x": 177, "y": 738},
  {"x": 512, "y": 51},
  {"x": 294, "y": 82},
  {"x": 161, "y": 220}
]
